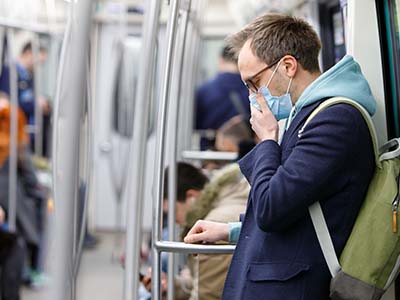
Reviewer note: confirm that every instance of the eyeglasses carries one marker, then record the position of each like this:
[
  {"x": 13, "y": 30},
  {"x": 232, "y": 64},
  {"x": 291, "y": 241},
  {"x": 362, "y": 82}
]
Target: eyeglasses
[{"x": 250, "y": 85}]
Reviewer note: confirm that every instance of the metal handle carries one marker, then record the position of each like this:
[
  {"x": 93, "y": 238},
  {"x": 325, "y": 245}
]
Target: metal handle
[
  {"x": 209, "y": 155},
  {"x": 138, "y": 146},
  {"x": 179, "y": 247}
]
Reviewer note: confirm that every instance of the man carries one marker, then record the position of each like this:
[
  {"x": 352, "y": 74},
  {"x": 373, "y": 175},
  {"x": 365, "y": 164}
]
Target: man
[
  {"x": 30, "y": 195},
  {"x": 26, "y": 95},
  {"x": 221, "y": 98},
  {"x": 12, "y": 256},
  {"x": 278, "y": 255}
]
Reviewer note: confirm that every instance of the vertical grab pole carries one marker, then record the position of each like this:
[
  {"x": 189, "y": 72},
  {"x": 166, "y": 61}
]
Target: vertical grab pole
[
  {"x": 160, "y": 148},
  {"x": 71, "y": 89},
  {"x": 13, "y": 156},
  {"x": 192, "y": 62},
  {"x": 173, "y": 126},
  {"x": 138, "y": 146},
  {"x": 38, "y": 126}
]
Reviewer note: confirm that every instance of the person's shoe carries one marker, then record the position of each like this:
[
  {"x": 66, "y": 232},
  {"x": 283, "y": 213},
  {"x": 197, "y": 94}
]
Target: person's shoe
[
  {"x": 90, "y": 241},
  {"x": 39, "y": 279}
]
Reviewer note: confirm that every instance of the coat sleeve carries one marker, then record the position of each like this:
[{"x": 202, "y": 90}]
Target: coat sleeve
[{"x": 282, "y": 193}]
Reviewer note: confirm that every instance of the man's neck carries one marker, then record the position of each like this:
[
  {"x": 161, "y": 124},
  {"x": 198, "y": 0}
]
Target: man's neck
[
  {"x": 307, "y": 79},
  {"x": 24, "y": 63}
]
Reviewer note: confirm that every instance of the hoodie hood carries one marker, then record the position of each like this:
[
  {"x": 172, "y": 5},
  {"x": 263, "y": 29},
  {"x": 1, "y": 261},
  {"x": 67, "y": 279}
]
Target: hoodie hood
[{"x": 344, "y": 79}]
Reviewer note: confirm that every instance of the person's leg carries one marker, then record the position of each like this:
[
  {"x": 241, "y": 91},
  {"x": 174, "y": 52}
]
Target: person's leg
[{"x": 12, "y": 268}]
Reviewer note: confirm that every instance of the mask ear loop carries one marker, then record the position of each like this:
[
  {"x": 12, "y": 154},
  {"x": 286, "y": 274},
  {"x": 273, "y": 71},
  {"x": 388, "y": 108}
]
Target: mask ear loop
[
  {"x": 273, "y": 73},
  {"x": 290, "y": 84}
]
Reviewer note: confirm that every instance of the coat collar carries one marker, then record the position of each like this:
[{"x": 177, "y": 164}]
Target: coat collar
[{"x": 297, "y": 122}]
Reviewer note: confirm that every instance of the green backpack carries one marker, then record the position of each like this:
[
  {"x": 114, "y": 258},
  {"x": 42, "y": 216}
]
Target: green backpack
[{"x": 370, "y": 260}]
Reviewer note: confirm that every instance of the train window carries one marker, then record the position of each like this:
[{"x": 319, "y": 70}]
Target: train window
[
  {"x": 388, "y": 20},
  {"x": 210, "y": 52},
  {"x": 332, "y": 33}
]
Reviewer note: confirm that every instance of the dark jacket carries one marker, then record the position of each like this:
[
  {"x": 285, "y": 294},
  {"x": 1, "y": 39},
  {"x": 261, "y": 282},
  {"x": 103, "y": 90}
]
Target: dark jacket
[
  {"x": 215, "y": 102},
  {"x": 31, "y": 200},
  {"x": 278, "y": 256}
]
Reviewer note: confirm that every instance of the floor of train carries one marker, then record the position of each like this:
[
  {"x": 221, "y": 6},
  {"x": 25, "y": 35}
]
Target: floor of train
[{"x": 101, "y": 275}]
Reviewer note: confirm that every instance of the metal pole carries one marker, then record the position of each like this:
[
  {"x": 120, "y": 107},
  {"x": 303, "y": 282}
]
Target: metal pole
[
  {"x": 184, "y": 137},
  {"x": 69, "y": 100},
  {"x": 138, "y": 146},
  {"x": 38, "y": 108},
  {"x": 13, "y": 157},
  {"x": 192, "y": 62},
  {"x": 159, "y": 165},
  {"x": 174, "y": 120}
]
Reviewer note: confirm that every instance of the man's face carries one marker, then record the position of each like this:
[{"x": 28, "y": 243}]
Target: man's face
[
  {"x": 251, "y": 68},
  {"x": 29, "y": 59},
  {"x": 180, "y": 212}
]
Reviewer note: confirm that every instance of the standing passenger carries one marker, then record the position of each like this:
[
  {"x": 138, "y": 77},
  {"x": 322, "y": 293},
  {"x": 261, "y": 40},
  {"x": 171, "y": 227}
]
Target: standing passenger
[
  {"x": 221, "y": 98},
  {"x": 278, "y": 255},
  {"x": 26, "y": 94}
]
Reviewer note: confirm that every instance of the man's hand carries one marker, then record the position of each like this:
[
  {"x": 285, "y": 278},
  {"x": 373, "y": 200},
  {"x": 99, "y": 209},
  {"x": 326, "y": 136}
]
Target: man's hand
[
  {"x": 147, "y": 283},
  {"x": 263, "y": 122},
  {"x": 2, "y": 215},
  {"x": 44, "y": 104},
  {"x": 208, "y": 232}
]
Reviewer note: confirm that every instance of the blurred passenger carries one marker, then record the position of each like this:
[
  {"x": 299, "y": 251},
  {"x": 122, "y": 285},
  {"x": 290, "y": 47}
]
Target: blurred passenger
[
  {"x": 236, "y": 136},
  {"x": 232, "y": 133},
  {"x": 12, "y": 257},
  {"x": 331, "y": 162},
  {"x": 221, "y": 98},
  {"x": 222, "y": 199},
  {"x": 26, "y": 94},
  {"x": 30, "y": 196}
]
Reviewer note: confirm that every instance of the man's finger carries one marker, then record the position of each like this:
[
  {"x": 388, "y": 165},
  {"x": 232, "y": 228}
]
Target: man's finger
[
  {"x": 261, "y": 101},
  {"x": 194, "y": 238},
  {"x": 197, "y": 228}
]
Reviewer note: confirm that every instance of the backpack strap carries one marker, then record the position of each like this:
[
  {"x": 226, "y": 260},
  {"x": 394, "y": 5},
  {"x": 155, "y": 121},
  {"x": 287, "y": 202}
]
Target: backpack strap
[
  {"x": 362, "y": 110},
  {"x": 315, "y": 210},
  {"x": 324, "y": 238}
]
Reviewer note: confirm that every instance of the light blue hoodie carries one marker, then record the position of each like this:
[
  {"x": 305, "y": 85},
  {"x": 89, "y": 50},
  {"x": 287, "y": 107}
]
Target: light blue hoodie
[{"x": 344, "y": 79}]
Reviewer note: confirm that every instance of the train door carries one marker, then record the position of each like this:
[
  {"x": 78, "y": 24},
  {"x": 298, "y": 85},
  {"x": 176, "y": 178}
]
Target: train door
[{"x": 117, "y": 71}]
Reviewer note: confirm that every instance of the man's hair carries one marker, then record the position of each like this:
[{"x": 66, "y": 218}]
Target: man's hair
[
  {"x": 274, "y": 36},
  {"x": 236, "y": 129},
  {"x": 228, "y": 55},
  {"x": 189, "y": 177},
  {"x": 28, "y": 48}
]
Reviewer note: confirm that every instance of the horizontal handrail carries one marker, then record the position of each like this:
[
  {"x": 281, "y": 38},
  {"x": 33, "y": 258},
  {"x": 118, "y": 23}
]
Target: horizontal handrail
[
  {"x": 180, "y": 247},
  {"x": 209, "y": 155}
]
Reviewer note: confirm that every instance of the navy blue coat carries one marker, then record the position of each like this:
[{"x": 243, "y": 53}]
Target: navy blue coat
[
  {"x": 213, "y": 103},
  {"x": 278, "y": 256}
]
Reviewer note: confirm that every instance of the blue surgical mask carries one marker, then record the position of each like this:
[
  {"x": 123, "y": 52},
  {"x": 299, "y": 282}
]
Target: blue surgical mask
[{"x": 280, "y": 106}]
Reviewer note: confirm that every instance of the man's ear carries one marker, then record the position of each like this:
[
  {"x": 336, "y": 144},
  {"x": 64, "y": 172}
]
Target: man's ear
[
  {"x": 192, "y": 193},
  {"x": 290, "y": 65}
]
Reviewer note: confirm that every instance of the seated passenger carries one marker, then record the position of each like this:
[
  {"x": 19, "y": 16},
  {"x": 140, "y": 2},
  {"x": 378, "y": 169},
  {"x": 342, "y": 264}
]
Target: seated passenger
[
  {"x": 223, "y": 199},
  {"x": 31, "y": 198},
  {"x": 234, "y": 135},
  {"x": 12, "y": 257},
  {"x": 231, "y": 133}
]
